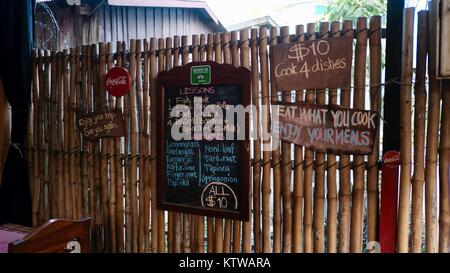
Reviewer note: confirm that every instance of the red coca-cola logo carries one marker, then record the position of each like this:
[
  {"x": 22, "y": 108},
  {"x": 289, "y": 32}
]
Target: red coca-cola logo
[
  {"x": 118, "y": 81},
  {"x": 391, "y": 159}
]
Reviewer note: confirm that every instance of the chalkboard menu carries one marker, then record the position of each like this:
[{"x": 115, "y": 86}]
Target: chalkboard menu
[{"x": 199, "y": 174}]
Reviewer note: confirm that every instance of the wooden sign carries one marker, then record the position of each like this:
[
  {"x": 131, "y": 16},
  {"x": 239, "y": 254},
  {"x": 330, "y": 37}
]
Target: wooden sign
[
  {"x": 201, "y": 175},
  {"x": 315, "y": 64},
  {"x": 101, "y": 124},
  {"x": 327, "y": 129}
]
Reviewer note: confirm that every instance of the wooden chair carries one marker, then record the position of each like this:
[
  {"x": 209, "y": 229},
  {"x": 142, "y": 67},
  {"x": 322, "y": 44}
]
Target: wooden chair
[{"x": 55, "y": 236}]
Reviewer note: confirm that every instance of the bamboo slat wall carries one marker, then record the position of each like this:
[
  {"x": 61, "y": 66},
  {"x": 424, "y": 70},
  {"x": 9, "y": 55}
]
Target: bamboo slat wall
[{"x": 302, "y": 201}]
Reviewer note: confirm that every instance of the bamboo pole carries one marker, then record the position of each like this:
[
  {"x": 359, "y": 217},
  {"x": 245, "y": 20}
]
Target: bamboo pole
[
  {"x": 266, "y": 176},
  {"x": 153, "y": 91},
  {"x": 61, "y": 178},
  {"x": 187, "y": 219},
  {"x": 104, "y": 173},
  {"x": 419, "y": 134},
  {"x": 113, "y": 176},
  {"x": 218, "y": 242},
  {"x": 34, "y": 140},
  {"x": 161, "y": 214},
  {"x": 119, "y": 167},
  {"x": 197, "y": 228},
  {"x": 69, "y": 117},
  {"x": 147, "y": 155},
  {"x": 246, "y": 226},
  {"x": 177, "y": 229},
  {"x": 308, "y": 172},
  {"x": 319, "y": 183},
  {"x": 298, "y": 196},
  {"x": 256, "y": 144},
  {"x": 275, "y": 165},
  {"x": 201, "y": 219},
  {"x": 345, "y": 191},
  {"x": 168, "y": 65},
  {"x": 51, "y": 138},
  {"x": 139, "y": 237},
  {"x": 375, "y": 105},
  {"x": 235, "y": 62},
  {"x": 76, "y": 108},
  {"x": 405, "y": 131},
  {"x": 331, "y": 172},
  {"x": 64, "y": 148},
  {"x": 93, "y": 163},
  {"x": 358, "y": 103},
  {"x": 126, "y": 115},
  {"x": 444, "y": 169},
  {"x": 286, "y": 170},
  {"x": 228, "y": 223},
  {"x": 434, "y": 99},
  {"x": 83, "y": 106},
  {"x": 210, "y": 221},
  {"x": 44, "y": 202},
  {"x": 134, "y": 138}
]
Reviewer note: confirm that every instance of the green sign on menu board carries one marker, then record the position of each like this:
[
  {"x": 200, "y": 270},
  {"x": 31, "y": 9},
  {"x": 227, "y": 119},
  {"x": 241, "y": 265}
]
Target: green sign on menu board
[{"x": 200, "y": 74}]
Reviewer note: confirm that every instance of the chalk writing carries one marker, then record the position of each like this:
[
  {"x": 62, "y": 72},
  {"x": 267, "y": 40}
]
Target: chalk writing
[
  {"x": 102, "y": 124},
  {"x": 327, "y": 128},
  {"x": 324, "y": 63},
  {"x": 219, "y": 195}
]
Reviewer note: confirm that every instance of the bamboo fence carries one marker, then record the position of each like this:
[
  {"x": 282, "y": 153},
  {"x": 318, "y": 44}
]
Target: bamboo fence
[{"x": 301, "y": 200}]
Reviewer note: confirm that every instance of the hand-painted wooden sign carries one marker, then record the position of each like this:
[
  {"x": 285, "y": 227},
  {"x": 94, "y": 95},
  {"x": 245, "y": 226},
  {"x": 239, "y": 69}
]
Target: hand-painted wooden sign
[
  {"x": 327, "y": 129},
  {"x": 198, "y": 174},
  {"x": 117, "y": 81},
  {"x": 109, "y": 123},
  {"x": 315, "y": 64}
]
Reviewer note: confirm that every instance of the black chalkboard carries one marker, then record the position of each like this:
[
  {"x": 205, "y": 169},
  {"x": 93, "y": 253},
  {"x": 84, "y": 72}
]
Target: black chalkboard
[{"x": 200, "y": 176}]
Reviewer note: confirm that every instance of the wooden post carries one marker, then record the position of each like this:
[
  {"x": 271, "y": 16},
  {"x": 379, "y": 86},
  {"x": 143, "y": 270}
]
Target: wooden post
[{"x": 405, "y": 131}]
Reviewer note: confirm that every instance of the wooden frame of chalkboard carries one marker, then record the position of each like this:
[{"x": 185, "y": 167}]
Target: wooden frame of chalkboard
[{"x": 226, "y": 77}]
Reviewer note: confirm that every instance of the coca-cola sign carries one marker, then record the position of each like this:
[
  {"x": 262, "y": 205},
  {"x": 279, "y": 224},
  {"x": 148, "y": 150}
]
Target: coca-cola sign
[
  {"x": 117, "y": 81},
  {"x": 391, "y": 159}
]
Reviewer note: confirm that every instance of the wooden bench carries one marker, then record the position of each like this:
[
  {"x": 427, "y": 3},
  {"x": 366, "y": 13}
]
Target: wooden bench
[{"x": 55, "y": 236}]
